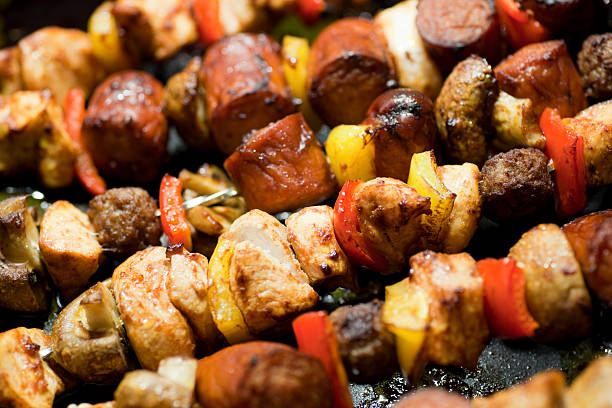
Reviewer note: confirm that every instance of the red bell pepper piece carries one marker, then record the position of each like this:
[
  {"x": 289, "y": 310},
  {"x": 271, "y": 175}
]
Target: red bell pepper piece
[
  {"x": 206, "y": 14},
  {"x": 315, "y": 335},
  {"x": 310, "y": 10},
  {"x": 521, "y": 27},
  {"x": 86, "y": 172},
  {"x": 505, "y": 305},
  {"x": 173, "y": 220},
  {"x": 566, "y": 149},
  {"x": 350, "y": 238}
]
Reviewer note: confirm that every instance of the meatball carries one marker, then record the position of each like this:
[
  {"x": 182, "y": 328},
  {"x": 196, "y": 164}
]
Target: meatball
[
  {"x": 124, "y": 127},
  {"x": 125, "y": 221},
  {"x": 366, "y": 347},
  {"x": 515, "y": 183},
  {"x": 595, "y": 65}
]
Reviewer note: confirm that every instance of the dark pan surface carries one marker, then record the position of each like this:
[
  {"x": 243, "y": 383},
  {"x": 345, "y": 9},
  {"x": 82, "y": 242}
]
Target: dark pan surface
[{"x": 502, "y": 364}]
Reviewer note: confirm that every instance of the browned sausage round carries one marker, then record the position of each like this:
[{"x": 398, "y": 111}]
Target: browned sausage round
[
  {"x": 544, "y": 73},
  {"x": 245, "y": 87},
  {"x": 262, "y": 374},
  {"x": 454, "y": 29},
  {"x": 124, "y": 127},
  {"x": 404, "y": 124},
  {"x": 349, "y": 66}
]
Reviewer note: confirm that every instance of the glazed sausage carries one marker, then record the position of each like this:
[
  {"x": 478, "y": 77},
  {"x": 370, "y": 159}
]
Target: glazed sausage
[
  {"x": 591, "y": 239},
  {"x": 246, "y": 90},
  {"x": 544, "y": 73},
  {"x": 281, "y": 167},
  {"x": 349, "y": 67},
  {"x": 404, "y": 124},
  {"x": 124, "y": 127},
  {"x": 262, "y": 374},
  {"x": 452, "y": 30}
]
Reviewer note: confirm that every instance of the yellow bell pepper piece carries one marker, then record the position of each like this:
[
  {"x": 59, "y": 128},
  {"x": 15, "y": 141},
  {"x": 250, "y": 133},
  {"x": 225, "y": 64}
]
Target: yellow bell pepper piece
[
  {"x": 423, "y": 177},
  {"x": 406, "y": 315},
  {"x": 350, "y": 149},
  {"x": 105, "y": 41},
  {"x": 224, "y": 310},
  {"x": 295, "y": 61}
]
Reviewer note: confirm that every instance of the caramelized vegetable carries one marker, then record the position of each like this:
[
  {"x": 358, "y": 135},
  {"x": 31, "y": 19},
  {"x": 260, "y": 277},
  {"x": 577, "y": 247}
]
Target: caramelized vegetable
[{"x": 350, "y": 149}]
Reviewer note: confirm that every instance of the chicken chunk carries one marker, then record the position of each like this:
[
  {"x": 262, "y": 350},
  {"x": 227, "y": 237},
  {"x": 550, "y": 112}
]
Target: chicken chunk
[
  {"x": 155, "y": 327},
  {"x": 146, "y": 389},
  {"x": 185, "y": 105},
  {"x": 432, "y": 398},
  {"x": 556, "y": 295},
  {"x": 312, "y": 237},
  {"x": 33, "y": 138},
  {"x": 59, "y": 59},
  {"x": 187, "y": 278},
  {"x": 515, "y": 123},
  {"x": 69, "y": 248},
  {"x": 264, "y": 276},
  {"x": 592, "y": 387},
  {"x": 389, "y": 217},
  {"x": 26, "y": 381},
  {"x": 160, "y": 27},
  {"x": 544, "y": 390},
  {"x": 458, "y": 330},
  {"x": 10, "y": 71},
  {"x": 463, "y": 220}
]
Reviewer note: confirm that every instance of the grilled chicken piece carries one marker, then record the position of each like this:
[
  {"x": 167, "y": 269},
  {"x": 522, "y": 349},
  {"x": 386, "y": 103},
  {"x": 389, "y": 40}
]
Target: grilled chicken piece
[
  {"x": 59, "y": 59},
  {"x": 594, "y": 124},
  {"x": 69, "y": 248},
  {"x": 10, "y": 71},
  {"x": 591, "y": 389},
  {"x": 556, "y": 295},
  {"x": 241, "y": 16},
  {"x": 515, "y": 123},
  {"x": 265, "y": 277},
  {"x": 463, "y": 220},
  {"x": 458, "y": 330},
  {"x": 187, "y": 278},
  {"x": 89, "y": 341},
  {"x": 23, "y": 286},
  {"x": 432, "y": 398},
  {"x": 544, "y": 390},
  {"x": 389, "y": 218},
  {"x": 155, "y": 327},
  {"x": 26, "y": 381},
  {"x": 146, "y": 389},
  {"x": 185, "y": 105},
  {"x": 591, "y": 239},
  {"x": 158, "y": 27},
  {"x": 312, "y": 237},
  {"x": 366, "y": 347},
  {"x": 33, "y": 138}
]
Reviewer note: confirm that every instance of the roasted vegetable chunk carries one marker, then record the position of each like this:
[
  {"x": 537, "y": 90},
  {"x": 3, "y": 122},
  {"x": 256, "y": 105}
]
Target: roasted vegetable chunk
[
  {"x": 544, "y": 73},
  {"x": 33, "y": 138},
  {"x": 69, "y": 248},
  {"x": 155, "y": 327},
  {"x": 281, "y": 167},
  {"x": 464, "y": 108},
  {"x": 458, "y": 330},
  {"x": 89, "y": 340},
  {"x": 515, "y": 184},
  {"x": 26, "y": 381},
  {"x": 556, "y": 295}
]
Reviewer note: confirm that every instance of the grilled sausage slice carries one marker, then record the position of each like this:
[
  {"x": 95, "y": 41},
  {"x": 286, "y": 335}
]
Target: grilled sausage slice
[
  {"x": 281, "y": 167},
  {"x": 454, "y": 29},
  {"x": 348, "y": 67},
  {"x": 544, "y": 73},
  {"x": 124, "y": 127},
  {"x": 262, "y": 375},
  {"x": 556, "y": 295},
  {"x": 591, "y": 240},
  {"x": 404, "y": 124},
  {"x": 245, "y": 87}
]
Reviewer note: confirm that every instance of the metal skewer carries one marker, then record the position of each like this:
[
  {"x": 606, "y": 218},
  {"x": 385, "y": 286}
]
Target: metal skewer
[{"x": 207, "y": 200}]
